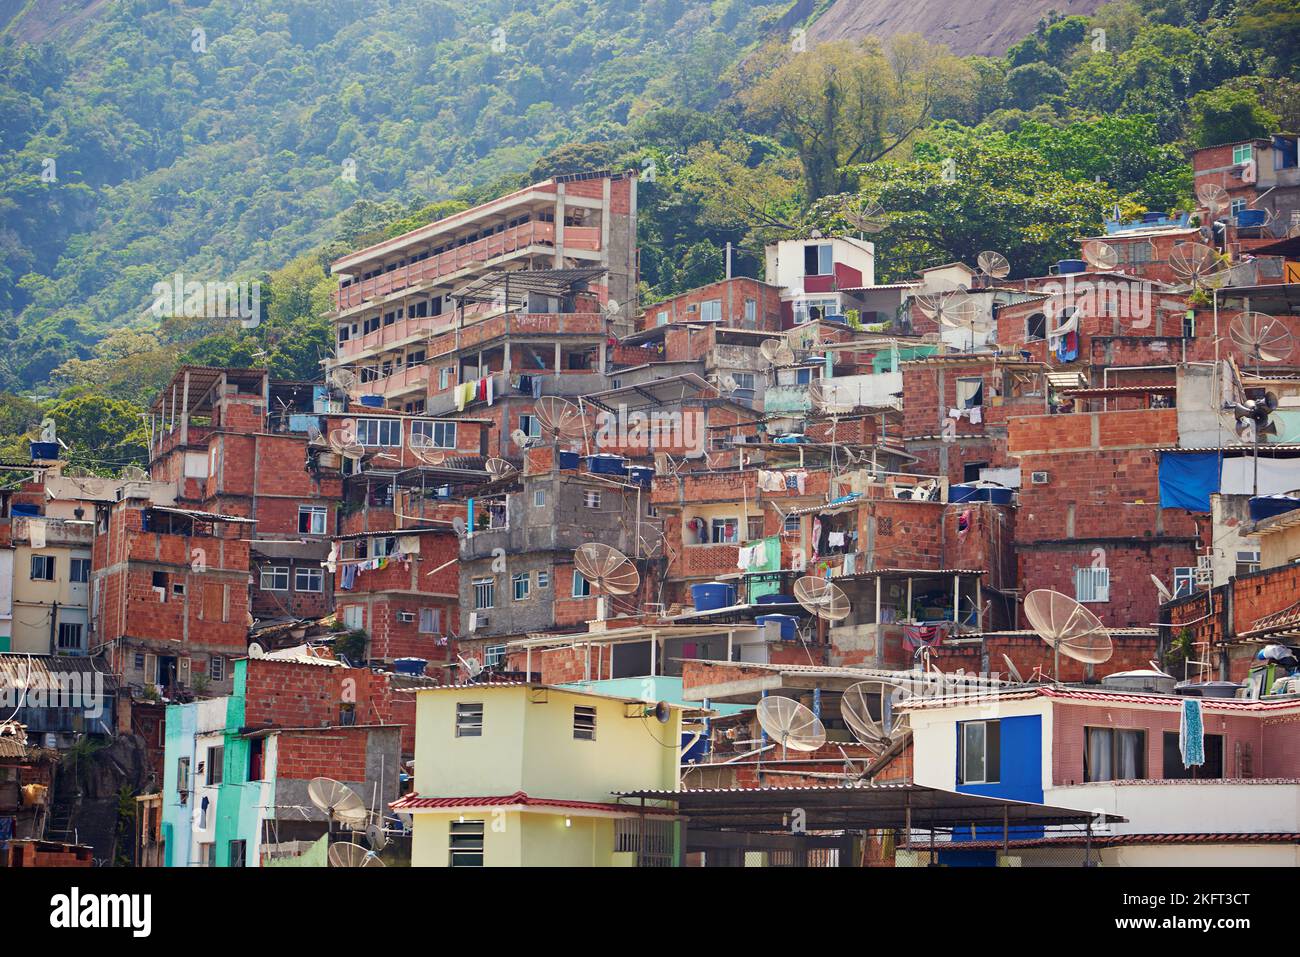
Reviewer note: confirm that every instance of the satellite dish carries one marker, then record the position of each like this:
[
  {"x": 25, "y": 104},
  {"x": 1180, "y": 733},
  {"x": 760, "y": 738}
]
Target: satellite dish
[
  {"x": 338, "y": 801},
  {"x": 1068, "y": 627},
  {"x": 520, "y": 438},
  {"x": 343, "y": 441},
  {"x": 352, "y": 855},
  {"x": 344, "y": 380},
  {"x": 728, "y": 383},
  {"x": 1161, "y": 590},
  {"x": 429, "y": 456},
  {"x": 559, "y": 419},
  {"x": 790, "y": 724},
  {"x": 256, "y": 651},
  {"x": 1261, "y": 338},
  {"x": 868, "y": 709},
  {"x": 1213, "y": 197},
  {"x": 1196, "y": 264},
  {"x": 800, "y": 339},
  {"x": 376, "y": 836},
  {"x": 611, "y": 308},
  {"x": 993, "y": 264},
  {"x": 821, "y": 598},
  {"x": 315, "y": 438},
  {"x": 867, "y": 217},
  {"x": 1013, "y": 670},
  {"x": 776, "y": 352},
  {"x": 499, "y": 468},
  {"x": 822, "y": 394},
  {"x": 606, "y": 568},
  {"x": 133, "y": 473},
  {"x": 1100, "y": 255},
  {"x": 473, "y": 667},
  {"x": 662, "y": 711}
]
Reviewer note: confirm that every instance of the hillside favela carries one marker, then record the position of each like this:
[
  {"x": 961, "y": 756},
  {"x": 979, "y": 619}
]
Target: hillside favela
[{"x": 666, "y": 434}]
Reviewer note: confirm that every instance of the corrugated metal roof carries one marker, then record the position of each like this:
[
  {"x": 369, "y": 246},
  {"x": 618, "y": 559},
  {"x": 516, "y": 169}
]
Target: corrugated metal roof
[
  {"x": 47, "y": 673},
  {"x": 413, "y": 802}
]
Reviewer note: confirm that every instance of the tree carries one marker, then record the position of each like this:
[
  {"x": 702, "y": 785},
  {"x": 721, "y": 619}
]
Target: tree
[
  {"x": 101, "y": 433},
  {"x": 1227, "y": 114},
  {"x": 1034, "y": 83},
  {"x": 846, "y": 104}
]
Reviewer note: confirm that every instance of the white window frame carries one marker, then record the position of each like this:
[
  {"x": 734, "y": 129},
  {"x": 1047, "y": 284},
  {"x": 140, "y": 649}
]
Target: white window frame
[
  {"x": 433, "y": 435},
  {"x": 469, "y": 719},
  {"x": 275, "y": 572},
  {"x": 711, "y": 310},
  {"x": 494, "y": 656},
  {"x": 379, "y": 433},
  {"x": 581, "y": 587},
  {"x": 525, "y": 581},
  {"x": 543, "y": 579},
  {"x": 1243, "y": 153},
  {"x": 48, "y": 563},
  {"x": 590, "y": 498},
  {"x": 430, "y": 621},
  {"x": 484, "y": 593},
  {"x": 313, "y": 514},
  {"x": 316, "y": 574},
  {"x": 466, "y": 845},
  {"x": 539, "y": 498},
  {"x": 217, "y": 668},
  {"x": 964, "y": 744},
  {"x": 1092, "y": 585},
  {"x": 584, "y": 723}
]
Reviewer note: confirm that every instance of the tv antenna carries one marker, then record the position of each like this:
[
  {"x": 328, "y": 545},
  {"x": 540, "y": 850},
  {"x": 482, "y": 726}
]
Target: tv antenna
[
  {"x": 790, "y": 724},
  {"x": 339, "y": 802},
  {"x": 1068, "y": 628},
  {"x": 868, "y": 709},
  {"x": 866, "y": 216},
  {"x": 1261, "y": 338},
  {"x": 993, "y": 265},
  {"x": 1196, "y": 264},
  {"x": 500, "y": 468},
  {"x": 347, "y": 854},
  {"x": 520, "y": 438},
  {"x": 1100, "y": 255},
  {"x": 559, "y": 419},
  {"x": 608, "y": 570},
  {"x": 776, "y": 352},
  {"x": 1214, "y": 198},
  {"x": 473, "y": 667}
]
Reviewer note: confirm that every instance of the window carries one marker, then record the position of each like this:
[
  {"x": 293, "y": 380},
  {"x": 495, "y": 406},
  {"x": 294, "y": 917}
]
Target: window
[
  {"x": 711, "y": 310},
  {"x": 80, "y": 571},
  {"x": 531, "y": 425},
  {"x": 494, "y": 656},
  {"x": 311, "y": 519},
  {"x": 584, "y": 723},
  {"x": 469, "y": 720},
  {"x": 1242, "y": 153},
  {"x": 979, "y": 752},
  {"x": 753, "y": 527},
  {"x": 808, "y": 310},
  {"x": 792, "y": 523},
  {"x": 751, "y": 313},
  {"x": 803, "y": 376},
  {"x": 1237, "y": 207},
  {"x": 1247, "y": 561},
  {"x": 1092, "y": 584},
  {"x": 217, "y": 668},
  {"x": 539, "y": 497},
  {"x": 215, "y": 756},
  {"x": 238, "y": 853},
  {"x": 383, "y": 547},
  {"x": 1212, "y": 769},
  {"x": 275, "y": 578},
  {"x": 42, "y": 568},
  {"x": 70, "y": 636},
  {"x": 519, "y": 585},
  {"x": 256, "y": 751},
  {"x": 725, "y": 531},
  {"x": 433, "y": 435},
  {"x": 1036, "y": 327},
  {"x": 430, "y": 621},
  {"x": 1184, "y": 581},
  {"x": 1114, "y": 754},
  {"x": 970, "y": 393},
  {"x": 661, "y": 319},
  {"x": 466, "y": 843},
  {"x": 581, "y": 587},
  {"x": 379, "y": 432},
  {"x": 353, "y": 616},
  {"x": 183, "y": 775},
  {"x": 590, "y": 499},
  {"x": 817, "y": 260},
  {"x": 744, "y": 380},
  {"x": 444, "y": 378},
  {"x": 485, "y": 593},
  {"x": 309, "y": 579},
  {"x": 543, "y": 579}
]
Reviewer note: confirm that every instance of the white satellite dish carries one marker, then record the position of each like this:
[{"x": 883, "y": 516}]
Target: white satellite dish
[
  {"x": 499, "y": 468},
  {"x": 559, "y": 419},
  {"x": 1100, "y": 255},
  {"x": 790, "y": 724},
  {"x": 473, "y": 667},
  {"x": 868, "y": 709},
  {"x": 256, "y": 651},
  {"x": 1162, "y": 591},
  {"x": 993, "y": 264},
  {"x": 1068, "y": 627},
  {"x": 822, "y": 598},
  {"x": 776, "y": 352},
  {"x": 352, "y": 855},
  {"x": 338, "y": 801},
  {"x": 520, "y": 438}
]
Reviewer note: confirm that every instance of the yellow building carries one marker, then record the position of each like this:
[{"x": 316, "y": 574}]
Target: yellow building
[
  {"x": 512, "y": 775},
  {"x": 51, "y": 576}
]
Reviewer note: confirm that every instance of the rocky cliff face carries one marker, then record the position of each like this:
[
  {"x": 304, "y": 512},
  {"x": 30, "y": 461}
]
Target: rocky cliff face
[{"x": 983, "y": 27}]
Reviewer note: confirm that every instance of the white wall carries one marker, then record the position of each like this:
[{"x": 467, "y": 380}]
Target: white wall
[{"x": 1185, "y": 807}]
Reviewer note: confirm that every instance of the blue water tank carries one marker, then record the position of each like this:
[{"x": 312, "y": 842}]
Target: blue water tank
[
  {"x": 774, "y": 599},
  {"x": 1252, "y": 217},
  {"x": 1153, "y": 217},
  {"x": 1065, "y": 266},
  {"x": 787, "y": 622},
  {"x": 569, "y": 460},
  {"x": 47, "y": 451},
  {"x": 372, "y": 401},
  {"x": 606, "y": 464},
  {"x": 641, "y": 475},
  {"x": 409, "y": 666},
  {"x": 711, "y": 596},
  {"x": 1266, "y": 506}
]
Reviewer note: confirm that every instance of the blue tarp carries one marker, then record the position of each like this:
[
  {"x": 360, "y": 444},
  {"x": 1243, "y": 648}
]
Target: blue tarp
[{"x": 1188, "y": 479}]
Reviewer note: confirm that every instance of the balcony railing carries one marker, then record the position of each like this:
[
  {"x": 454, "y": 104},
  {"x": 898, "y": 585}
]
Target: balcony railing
[{"x": 480, "y": 251}]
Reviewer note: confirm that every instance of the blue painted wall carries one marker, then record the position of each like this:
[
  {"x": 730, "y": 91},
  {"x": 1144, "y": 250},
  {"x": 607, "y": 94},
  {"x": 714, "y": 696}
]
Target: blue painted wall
[{"x": 1020, "y": 778}]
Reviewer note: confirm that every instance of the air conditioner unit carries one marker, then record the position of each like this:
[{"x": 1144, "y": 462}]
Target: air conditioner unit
[
  {"x": 1039, "y": 478},
  {"x": 406, "y": 616}
]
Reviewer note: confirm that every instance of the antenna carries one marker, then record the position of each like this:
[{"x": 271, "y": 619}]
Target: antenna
[
  {"x": 1213, "y": 197},
  {"x": 776, "y": 352},
  {"x": 993, "y": 264},
  {"x": 1013, "y": 670},
  {"x": 1261, "y": 338},
  {"x": 1162, "y": 592},
  {"x": 821, "y": 598},
  {"x": 608, "y": 570},
  {"x": 352, "y": 855},
  {"x": 473, "y": 667},
  {"x": 1196, "y": 264},
  {"x": 790, "y": 724},
  {"x": 1100, "y": 255},
  {"x": 256, "y": 651},
  {"x": 866, "y": 216},
  {"x": 339, "y": 802},
  {"x": 1068, "y": 627},
  {"x": 520, "y": 438},
  {"x": 559, "y": 419},
  {"x": 868, "y": 709},
  {"x": 499, "y": 468}
]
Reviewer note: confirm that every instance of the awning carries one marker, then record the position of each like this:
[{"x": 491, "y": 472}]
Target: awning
[{"x": 860, "y": 806}]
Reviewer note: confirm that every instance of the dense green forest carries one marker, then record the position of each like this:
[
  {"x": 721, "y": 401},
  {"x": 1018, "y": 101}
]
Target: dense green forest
[{"x": 259, "y": 139}]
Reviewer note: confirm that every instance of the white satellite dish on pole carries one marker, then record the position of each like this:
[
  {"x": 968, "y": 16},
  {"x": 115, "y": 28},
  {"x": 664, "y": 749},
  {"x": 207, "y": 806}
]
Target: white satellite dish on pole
[
  {"x": 1068, "y": 628},
  {"x": 790, "y": 724}
]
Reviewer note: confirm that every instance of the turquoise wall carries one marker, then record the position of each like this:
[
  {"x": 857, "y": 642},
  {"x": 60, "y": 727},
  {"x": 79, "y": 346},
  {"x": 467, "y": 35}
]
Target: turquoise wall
[{"x": 178, "y": 742}]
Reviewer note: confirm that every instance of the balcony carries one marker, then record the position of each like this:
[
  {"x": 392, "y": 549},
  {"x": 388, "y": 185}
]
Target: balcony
[
  {"x": 391, "y": 336},
  {"x": 402, "y": 381},
  {"x": 462, "y": 257},
  {"x": 517, "y": 324},
  {"x": 56, "y": 531}
]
